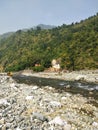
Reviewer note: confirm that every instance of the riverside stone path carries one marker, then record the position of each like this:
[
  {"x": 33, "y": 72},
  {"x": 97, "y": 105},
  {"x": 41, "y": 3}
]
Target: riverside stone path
[{"x": 29, "y": 107}]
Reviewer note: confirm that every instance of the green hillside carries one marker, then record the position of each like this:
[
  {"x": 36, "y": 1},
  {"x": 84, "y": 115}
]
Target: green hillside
[{"x": 75, "y": 46}]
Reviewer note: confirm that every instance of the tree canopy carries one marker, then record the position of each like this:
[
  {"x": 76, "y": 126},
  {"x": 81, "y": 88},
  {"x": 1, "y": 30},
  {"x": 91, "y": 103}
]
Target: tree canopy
[{"x": 76, "y": 46}]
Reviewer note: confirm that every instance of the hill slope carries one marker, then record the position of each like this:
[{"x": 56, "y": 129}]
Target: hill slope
[{"x": 75, "y": 46}]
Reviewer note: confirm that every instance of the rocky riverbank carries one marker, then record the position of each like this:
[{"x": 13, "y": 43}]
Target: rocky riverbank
[
  {"x": 90, "y": 76},
  {"x": 30, "y": 107}
]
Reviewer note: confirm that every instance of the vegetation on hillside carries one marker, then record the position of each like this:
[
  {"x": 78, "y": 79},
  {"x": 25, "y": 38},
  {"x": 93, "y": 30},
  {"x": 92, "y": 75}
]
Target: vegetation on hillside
[{"x": 75, "y": 46}]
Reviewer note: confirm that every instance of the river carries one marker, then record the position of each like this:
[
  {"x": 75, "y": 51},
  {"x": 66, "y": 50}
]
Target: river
[{"x": 75, "y": 87}]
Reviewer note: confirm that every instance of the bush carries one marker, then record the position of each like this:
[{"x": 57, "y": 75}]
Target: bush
[{"x": 38, "y": 68}]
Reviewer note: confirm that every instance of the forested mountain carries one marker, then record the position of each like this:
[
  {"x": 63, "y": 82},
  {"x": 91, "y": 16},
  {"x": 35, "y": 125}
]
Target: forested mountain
[{"x": 75, "y": 46}]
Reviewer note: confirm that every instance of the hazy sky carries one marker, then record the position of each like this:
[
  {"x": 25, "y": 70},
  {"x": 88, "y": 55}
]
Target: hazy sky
[{"x": 19, "y": 14}]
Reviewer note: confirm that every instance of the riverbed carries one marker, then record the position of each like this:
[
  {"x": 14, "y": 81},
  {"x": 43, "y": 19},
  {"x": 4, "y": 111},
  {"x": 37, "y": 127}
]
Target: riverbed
[{"x": 39, "y": 103}]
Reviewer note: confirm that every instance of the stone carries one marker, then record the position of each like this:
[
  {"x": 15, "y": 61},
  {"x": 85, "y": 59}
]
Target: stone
[
  {"x": 4, "y": 102},
  {"x": 8, "y": 125},
  {"x": 67, "y": 127},
  {"x": 12, "y": 100},
  {"x": 35, "y": 88},
  {"x": 55, "y": 104},
  {"x": 80, "y": 77},
  {"x": 4, "y": 127},
  {"x": 64, "y": 98},
  {"x": 39, "y": 116},
  {"x": 18, "y": 128},
  {"x": 95, "y": 124},
  {"x": 13, "y": 85},
  {"x": 29, "y": 97},
  {"x": 68, "y": 95},
  {"x": 2, "y": 121},
  {"x": 58, "y": 120}
]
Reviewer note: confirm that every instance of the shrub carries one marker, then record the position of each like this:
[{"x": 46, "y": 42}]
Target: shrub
[{"x": 38, "y": 68}]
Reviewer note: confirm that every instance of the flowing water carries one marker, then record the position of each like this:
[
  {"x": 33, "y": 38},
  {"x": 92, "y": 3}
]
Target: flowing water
[{"x": 86, "y": 89}]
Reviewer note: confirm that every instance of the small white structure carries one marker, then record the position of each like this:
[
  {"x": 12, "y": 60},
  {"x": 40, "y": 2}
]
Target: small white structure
[
  {"x": 55, "y": 65},
  {"x": 54, "y": 62}
]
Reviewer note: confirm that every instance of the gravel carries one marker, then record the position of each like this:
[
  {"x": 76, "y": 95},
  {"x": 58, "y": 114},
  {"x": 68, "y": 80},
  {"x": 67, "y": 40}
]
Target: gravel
[{"x": 29, "y": 107}]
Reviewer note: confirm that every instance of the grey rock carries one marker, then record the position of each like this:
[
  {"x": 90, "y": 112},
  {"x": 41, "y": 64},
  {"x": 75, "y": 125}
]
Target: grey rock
[
  {"x": 12, "y": 100},
  {"x": 8, "y": 125},
  {"x": 10, "y": 120},
  {"x": 19, "y": 119},
  {"x": 39, "y": 116}
]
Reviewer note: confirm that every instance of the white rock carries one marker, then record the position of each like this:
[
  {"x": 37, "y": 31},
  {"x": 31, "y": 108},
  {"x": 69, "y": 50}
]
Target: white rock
[
  {"x": 29, "y": 97},
  {"x": 35, "y": 87},
  {"x": 68, "y": 95},
  {"x": 39, "y": 116},
  {"x": 2, "y": 121},
  {"x": 1, "y": 81},
  {"x": 51, "y": 128},
  {"x": 0, "y": 126},
  {"x": 95, "y": 124},
  {"x": 63, "y": 98},
  {"x": 96, "y": 87},
  {"x": 41, "y": 104},
  {"x": 4, "y": 102},
  {"x": 67, "y": 127},
  {"x": 0, "y": 114},
  {"x": 55, "y": 104},
  {"x": 12, "y": 85},
  {"x": 18, "y": 128},
  {"x": 58, "y": 120},
  {"x": 50, "y": 88},
  {"x": 80, "y": 77}
]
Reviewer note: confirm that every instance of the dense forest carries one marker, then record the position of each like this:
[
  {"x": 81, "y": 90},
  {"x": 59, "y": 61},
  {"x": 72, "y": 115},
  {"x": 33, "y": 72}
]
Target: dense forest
[{"x": 75, "y": 46}]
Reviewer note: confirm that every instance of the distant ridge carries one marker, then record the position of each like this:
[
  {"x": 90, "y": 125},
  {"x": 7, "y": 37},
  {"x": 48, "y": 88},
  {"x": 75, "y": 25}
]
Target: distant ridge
[
  {"x": 43, "y": 26},
  {"x": 6, "y": 35}
]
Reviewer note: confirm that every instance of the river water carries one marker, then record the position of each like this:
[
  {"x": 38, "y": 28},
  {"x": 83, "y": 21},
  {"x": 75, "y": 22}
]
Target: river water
[{"x": 86, "y": 89}]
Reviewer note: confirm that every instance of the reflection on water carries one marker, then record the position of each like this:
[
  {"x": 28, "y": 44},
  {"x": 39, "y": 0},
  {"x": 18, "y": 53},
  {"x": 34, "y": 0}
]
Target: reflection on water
[{"x": 60, "y": 85}]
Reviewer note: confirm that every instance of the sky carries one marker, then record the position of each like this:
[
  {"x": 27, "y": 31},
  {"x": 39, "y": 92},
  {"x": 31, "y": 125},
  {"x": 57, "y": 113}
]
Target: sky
[{"x": 21, "y": 14}]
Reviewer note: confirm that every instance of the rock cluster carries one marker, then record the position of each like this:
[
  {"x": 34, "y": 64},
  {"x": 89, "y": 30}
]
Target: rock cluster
[{"x": 29, "y": 107}]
